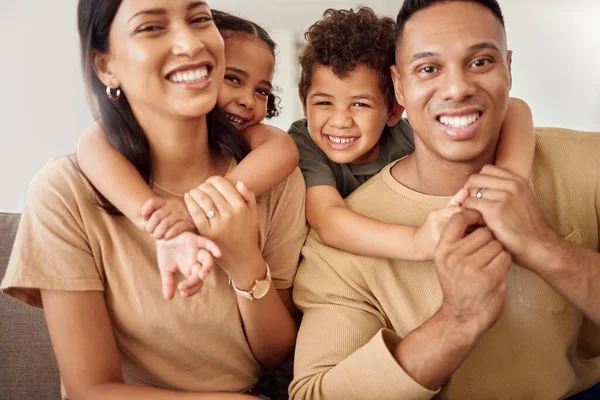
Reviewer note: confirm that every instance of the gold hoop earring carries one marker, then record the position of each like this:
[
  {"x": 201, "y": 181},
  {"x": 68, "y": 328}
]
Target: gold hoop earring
[{"x": 110, "y": 95}]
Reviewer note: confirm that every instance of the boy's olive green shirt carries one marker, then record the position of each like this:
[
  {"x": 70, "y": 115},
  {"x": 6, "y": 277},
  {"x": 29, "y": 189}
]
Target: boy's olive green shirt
[
  {"x": 357, "y": 309},
  {"x": 395, "y": 143}
]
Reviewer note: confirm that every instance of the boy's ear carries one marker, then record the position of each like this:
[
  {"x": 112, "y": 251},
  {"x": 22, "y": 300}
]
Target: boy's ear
[
  {"x": 395, "y": 115},
  {"x": 101, "y": 64},
  {"x": 397, "y": 85},
  {"x": 303, "y": 101}
]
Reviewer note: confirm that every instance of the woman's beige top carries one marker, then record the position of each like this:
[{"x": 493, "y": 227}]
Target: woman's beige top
[{"x": 66, "y": 242}]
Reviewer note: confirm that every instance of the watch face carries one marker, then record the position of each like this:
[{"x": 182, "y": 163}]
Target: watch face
[{"x": 261, "y": 289}]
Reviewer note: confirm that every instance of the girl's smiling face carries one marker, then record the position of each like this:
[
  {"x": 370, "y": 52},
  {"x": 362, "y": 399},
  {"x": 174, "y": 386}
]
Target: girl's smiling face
[{"x": 249, "y": 66}]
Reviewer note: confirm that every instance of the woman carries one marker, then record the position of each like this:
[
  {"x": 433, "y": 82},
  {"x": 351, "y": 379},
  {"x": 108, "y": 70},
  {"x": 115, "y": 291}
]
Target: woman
[{"x": 113, "y": 333}]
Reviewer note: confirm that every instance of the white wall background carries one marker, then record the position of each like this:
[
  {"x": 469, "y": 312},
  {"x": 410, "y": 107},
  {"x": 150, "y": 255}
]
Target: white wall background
[{"x": 556, "y": 69}]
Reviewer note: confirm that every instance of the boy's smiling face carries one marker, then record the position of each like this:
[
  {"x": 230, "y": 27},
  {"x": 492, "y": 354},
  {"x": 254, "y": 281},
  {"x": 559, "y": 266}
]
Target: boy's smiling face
[{"x": 346, "y": 116}]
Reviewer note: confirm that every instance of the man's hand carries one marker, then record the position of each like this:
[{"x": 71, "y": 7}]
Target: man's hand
[
  {"x": 510, "y": 211},
  {"x": 166, "y": 218},
  {"x": 192, "y": 256},
  {"x": 472, "y": 272}
]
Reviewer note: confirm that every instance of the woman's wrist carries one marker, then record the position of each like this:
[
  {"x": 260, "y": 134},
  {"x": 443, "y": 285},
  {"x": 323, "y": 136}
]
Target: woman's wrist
[{"x": 247, "y": 272}]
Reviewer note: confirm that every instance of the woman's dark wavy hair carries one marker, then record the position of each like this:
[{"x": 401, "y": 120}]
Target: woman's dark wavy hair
[
  {"x": 231, "y": 26},
  {"x": 122, "y": 130},
  {"x": 342, "y": 39}
]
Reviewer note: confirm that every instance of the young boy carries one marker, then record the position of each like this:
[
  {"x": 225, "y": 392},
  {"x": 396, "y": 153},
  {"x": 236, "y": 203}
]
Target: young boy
[{"x": 353, "y": 128}]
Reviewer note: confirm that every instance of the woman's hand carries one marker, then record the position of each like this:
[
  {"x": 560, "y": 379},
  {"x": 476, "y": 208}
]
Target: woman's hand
[
  {"x": 228, "y": 216},
  {"x": 192, "y": 256},
  {"x": 165, "y": 218}
]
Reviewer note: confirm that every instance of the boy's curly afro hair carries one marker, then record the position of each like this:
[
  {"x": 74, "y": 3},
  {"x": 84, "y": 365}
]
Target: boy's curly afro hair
[{"x": 342, "y": 39}]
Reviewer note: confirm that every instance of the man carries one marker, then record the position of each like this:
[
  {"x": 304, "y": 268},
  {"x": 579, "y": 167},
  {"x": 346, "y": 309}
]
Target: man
[{"x": 471, "y": 325}]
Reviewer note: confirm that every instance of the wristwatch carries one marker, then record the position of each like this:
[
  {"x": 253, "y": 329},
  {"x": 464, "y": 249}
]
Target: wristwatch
[{"x": 258, "y": 290}]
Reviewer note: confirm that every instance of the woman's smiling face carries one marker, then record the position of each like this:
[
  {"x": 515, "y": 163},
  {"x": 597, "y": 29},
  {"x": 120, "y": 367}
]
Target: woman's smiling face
[{"x": 167, "y": 56}]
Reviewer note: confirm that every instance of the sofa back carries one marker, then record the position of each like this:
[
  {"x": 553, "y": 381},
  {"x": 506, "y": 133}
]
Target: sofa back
[{"x": 27, "y": 365}]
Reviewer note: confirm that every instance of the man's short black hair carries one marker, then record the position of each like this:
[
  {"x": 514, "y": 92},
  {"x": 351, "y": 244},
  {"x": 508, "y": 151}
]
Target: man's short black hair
[{"x": 410, "y": 7}]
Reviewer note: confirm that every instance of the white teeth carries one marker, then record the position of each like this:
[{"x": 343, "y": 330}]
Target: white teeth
[
  {"x": 235, "y": 120},
  {"x": 459, "y": 122},
  {"x": 189, "y": 76},
  {"x": 341, "y": 140}
]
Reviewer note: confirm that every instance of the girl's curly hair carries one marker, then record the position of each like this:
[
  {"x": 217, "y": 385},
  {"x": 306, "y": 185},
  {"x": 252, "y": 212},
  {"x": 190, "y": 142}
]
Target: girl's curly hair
[
  {"x": 342, "y": 39},
  {"x": 230, "y": 26}
]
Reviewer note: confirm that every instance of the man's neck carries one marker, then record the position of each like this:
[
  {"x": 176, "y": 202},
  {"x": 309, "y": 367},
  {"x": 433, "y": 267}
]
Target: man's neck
[{"x": 430, "y": 174}]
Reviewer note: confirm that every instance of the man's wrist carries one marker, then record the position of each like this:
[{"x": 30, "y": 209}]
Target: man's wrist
[
  {"x": 434, "y": 351},
  {"x": 461, "y": 332},
  {"x": 542, "y": 253}
]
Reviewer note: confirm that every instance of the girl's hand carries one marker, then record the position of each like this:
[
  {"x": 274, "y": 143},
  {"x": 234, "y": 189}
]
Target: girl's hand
[
  {"x": 228, "y": 216},
  {"x": 166, "y": 218},
  {"x": 191, "y": 255}
]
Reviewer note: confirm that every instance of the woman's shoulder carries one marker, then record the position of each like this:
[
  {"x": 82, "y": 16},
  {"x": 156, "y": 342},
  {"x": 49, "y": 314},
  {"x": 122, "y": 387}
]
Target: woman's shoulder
[{"x": 60, "y": 180}]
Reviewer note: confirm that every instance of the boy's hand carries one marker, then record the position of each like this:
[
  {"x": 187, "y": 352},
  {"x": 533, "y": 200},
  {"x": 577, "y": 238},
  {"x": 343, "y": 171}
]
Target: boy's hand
[
  {"x": 166, "y": 218},
  {"x": 427, "y": 236},
  {"x": 191, "y": 255}
]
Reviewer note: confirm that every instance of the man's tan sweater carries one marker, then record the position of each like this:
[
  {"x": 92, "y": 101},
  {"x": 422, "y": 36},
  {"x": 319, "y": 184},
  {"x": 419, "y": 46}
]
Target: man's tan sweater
[{"x": 356, "y": 309}]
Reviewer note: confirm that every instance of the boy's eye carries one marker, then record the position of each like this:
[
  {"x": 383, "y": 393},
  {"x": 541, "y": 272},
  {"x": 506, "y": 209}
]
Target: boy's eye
[
  {"x": 232, "y": 79},
  {"x": 359, "y": 104},
  {"x": 323, "y": 103}
]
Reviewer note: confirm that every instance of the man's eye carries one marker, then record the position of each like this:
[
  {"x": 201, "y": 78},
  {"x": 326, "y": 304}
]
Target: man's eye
[
  {"x": 480, "y": 63},
  {"x": 428, "y": 70}
]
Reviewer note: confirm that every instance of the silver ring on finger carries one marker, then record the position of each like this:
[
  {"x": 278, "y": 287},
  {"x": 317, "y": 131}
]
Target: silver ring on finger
[
  {"x": 479, "y": 194},
  {"x": 211, "y": 213}
]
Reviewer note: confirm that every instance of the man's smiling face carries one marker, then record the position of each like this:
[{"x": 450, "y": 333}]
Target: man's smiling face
[{"x": 452, "y": 75}]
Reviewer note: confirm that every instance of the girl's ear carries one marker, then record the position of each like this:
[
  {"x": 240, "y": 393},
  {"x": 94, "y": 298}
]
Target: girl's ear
[
  {"x": 303, "y": 101},
  {"x": 397, "y": 85},
  {"x": 102, "y": 67},
  {"x": 395, "y": 115}
]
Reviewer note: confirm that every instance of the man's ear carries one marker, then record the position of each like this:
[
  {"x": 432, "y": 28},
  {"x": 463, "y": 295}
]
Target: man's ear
[
  {"x": 397, "y": 85},
  {"x": 102, "y": 67},
  {"x": 509, "y": 63},
  {"x": 395, "y": 115},
  {"x": 303, "y": 101}
]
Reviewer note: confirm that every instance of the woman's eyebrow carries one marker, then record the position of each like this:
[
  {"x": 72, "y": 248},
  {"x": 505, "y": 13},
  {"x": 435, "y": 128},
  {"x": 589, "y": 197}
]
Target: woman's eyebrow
[{"x": 162, "y": 11}]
